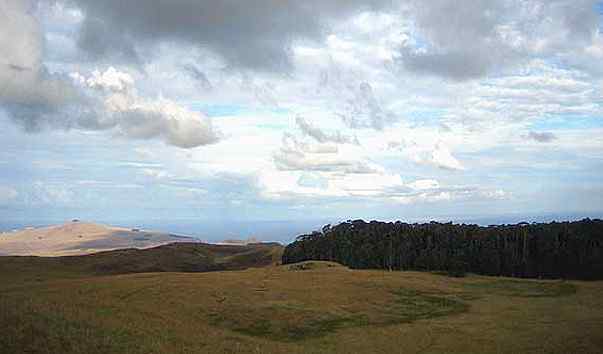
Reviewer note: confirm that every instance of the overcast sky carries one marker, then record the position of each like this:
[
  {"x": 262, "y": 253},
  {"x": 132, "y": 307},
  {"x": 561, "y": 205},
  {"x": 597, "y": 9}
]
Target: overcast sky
[{"x": 299, "y": 110}]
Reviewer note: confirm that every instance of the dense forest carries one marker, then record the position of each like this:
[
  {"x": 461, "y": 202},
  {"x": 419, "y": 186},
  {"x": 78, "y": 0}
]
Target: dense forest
[{"x": 572, "y": 250}]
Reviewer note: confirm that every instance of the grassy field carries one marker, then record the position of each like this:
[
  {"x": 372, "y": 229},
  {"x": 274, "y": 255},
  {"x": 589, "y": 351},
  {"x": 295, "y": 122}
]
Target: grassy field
[{"x": 311, "y": 308}]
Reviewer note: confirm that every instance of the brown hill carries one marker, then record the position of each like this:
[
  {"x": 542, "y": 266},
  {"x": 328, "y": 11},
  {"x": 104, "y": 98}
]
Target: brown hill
[{"x": 80, "y": 238}]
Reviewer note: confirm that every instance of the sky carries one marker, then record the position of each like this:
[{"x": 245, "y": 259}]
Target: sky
[{"x": 224, "y": 111}]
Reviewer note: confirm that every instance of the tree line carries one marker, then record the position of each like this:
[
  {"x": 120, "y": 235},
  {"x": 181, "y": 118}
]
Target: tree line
[{"x": 571, "y": 250}]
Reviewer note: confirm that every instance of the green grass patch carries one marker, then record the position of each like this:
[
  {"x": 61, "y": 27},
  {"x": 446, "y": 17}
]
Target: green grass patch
[
  {"x": 519, "y": 288},
  {"x": 294, "y": 322},
  {"x": 281, "y": 323},
  {"x": 312, "y": 265},
  {"x": 411, "y": 305}
]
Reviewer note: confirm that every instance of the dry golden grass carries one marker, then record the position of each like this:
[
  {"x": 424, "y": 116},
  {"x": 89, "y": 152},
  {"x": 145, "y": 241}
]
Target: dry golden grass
[{"x": 320, "y": 309}]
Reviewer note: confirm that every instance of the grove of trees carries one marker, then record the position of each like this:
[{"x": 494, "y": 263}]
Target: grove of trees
[{"x": 571, "y": 250}]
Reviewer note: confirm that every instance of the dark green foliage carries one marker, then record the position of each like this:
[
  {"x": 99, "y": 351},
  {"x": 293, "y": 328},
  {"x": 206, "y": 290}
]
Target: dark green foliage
[
  {"x": 457, "y": 269},
  {"x": 572, "y": 250}
]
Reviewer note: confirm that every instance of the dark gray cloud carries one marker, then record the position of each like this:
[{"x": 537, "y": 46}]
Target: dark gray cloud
[
  {"x": 98, "y": 40},
  {"x": 456, "y": 39},
  {"x": 460, "y": 35},
  {"x": 37, "y": 99},
  {"x": 28, "y": 92},
  {"x": 199, "y": 76},
  {"x": 543, "y": 137},
  {"x": 253, "y": 34},
  {"x": 462, "y": 40},
  {"x": 456, "y": 65}
]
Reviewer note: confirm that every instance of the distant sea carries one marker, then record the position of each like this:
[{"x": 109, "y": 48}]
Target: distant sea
[
  {"x": 209, "y": 231},
  {"x": 283, "y": 231}
]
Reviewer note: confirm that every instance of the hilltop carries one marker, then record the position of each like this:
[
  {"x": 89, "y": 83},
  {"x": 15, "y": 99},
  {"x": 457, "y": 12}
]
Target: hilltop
[{"x": 80, "y": 238}]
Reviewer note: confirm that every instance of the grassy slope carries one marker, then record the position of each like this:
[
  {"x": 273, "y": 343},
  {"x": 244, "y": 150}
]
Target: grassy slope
[
  {"x": 309, "y": 309},
  {"x": 176, "y": 257}
]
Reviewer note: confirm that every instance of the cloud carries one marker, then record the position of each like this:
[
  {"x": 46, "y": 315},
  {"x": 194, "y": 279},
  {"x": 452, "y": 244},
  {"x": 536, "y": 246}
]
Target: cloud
[
  {"x": 466, "y": 40},
  {"x": 296, "y": 155},
  {"x": 7, "y": 194},
  {"x": 442, "y": 157},
  {"x": 253, "y": 34},
  {"x": 380, "y": 187},
  {"x": 292, "y": 144},
  {"x": 27, "y": 88},
  {"x": 539, "y": 92},
  {"x": 313, "y": 181},
  {"x": 157, "y": 174},
  {"x": 98, "y": 40},
  {"x": 495, "y": 194},
  {"x": 462, "y": 41},
  {"x": 543, "y": 137},
  {"x": 355, "y": 80},
  {"x": 354, "y": 100},
  {"x": 456, "y": 65},
  {"x": 52, "y": 194},
  {"x": 438, "y": 156},
  {"x": 139, "y": 118},
  {"x": 424, "y": 184},
  {"x": 320, "y": 136},
  {"x": 111, "y": 80},
  {"x": 327, "y": 184},
  {"x": 36, "y": 99},
  {"x": 364, "y": 111},
  {"x": 458, "y": 41},
  {"x": 199, "y": 76},
  {"x": 431, "y": 191},
  {"x": 287, "y": 160}
]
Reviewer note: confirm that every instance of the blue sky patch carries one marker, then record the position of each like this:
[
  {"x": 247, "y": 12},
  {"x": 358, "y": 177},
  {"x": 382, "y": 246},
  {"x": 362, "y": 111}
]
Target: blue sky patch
[
  {"x": 230, "y": 110},
  {"x": 568, "y": 122}
]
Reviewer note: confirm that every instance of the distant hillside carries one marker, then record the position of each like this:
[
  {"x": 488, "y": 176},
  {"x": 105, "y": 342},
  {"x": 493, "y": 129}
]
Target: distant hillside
[
  {"x": 238, "y": 242},
  {"x": 79, "y": 238},
  {"x": 555, "y": 250},
  {"x": 177, "y": 257}
]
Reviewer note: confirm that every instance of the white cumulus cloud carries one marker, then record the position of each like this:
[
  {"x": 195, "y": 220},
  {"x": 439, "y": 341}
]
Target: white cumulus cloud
[{"x": 141, "y": 118}]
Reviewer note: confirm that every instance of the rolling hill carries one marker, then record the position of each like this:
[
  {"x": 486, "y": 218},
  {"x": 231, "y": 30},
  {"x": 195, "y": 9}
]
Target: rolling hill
[
  {"x": 192, "y": 297},
  {"x": 175, "y": 257},
  {"x": 312, "y": 307},
  {"x": 79, "y": 238}
]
